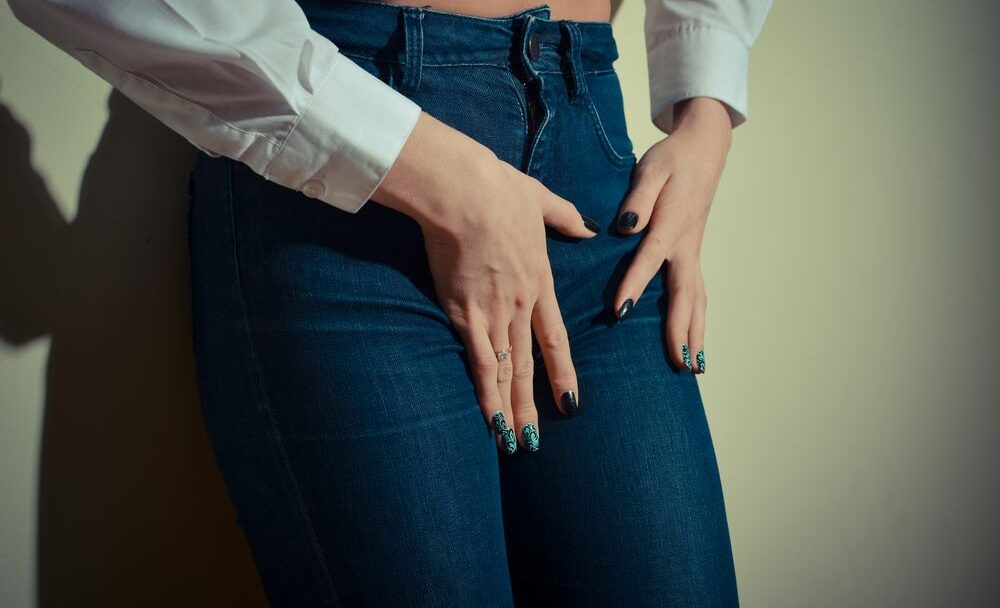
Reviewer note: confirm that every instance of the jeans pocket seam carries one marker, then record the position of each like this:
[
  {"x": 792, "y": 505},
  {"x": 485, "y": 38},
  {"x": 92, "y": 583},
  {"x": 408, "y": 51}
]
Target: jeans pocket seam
[
  {"x": 614, "y": 156},
  {"x": 521, "y": 96}
]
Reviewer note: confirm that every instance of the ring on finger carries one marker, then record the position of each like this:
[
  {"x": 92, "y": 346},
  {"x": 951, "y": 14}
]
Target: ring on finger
[{"x": 503, "y": 355}]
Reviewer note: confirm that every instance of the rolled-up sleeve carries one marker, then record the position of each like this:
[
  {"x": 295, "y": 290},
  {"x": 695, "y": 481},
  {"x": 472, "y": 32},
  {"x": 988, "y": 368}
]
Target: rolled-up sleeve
[
  {"x": 248, "y": 80},
  {"x": 700, "y": 48}
]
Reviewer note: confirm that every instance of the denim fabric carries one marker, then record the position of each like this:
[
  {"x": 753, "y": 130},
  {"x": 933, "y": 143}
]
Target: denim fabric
[{"x": 338, "y": 397}]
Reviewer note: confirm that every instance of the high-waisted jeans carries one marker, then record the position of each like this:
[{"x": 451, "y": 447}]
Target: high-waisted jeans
[{"x": 338, "y": 397}]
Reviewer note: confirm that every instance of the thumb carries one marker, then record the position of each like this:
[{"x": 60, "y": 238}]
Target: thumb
[{"x": 563, "y": 215}]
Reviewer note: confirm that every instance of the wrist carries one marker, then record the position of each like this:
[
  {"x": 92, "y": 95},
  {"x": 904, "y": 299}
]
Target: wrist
[
  {"x": 708, "y": 117},
  {"x": 429, "y": 169},
  {"x": 708, "y": 108},
  {"x": 703, "y": 110}
]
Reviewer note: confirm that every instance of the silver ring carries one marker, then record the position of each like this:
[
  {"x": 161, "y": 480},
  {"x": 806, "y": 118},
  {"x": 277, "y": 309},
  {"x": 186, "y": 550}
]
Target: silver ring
[{"x": 503, "y": 355}]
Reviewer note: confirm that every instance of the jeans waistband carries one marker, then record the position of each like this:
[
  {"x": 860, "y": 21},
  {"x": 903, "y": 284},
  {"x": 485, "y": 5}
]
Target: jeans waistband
[{"x": 423, "y": 36}]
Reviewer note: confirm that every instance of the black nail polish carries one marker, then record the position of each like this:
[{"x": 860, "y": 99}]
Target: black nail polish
[
  {"x": 627, "y": 221},
  {"x": 569, "y": 403},
  {"x": 625, "y": 308},
  {"x": 590, "y": 224}
]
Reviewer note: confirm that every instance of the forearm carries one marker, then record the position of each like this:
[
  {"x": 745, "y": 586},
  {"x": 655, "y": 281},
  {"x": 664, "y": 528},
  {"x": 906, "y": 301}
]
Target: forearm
[
  {"x": 251, "y": 81},
  {"x": 700, "y": 48}
]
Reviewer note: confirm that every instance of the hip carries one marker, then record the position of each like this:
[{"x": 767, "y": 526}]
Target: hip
[{"x": 542, "y": 94}]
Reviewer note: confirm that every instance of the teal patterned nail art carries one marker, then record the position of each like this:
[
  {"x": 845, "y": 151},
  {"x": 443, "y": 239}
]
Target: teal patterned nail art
[
  {"x": 530, "y": 437},
  {"x": 700, "y": 357},
  {"x": 686, "y": 353},
  {"x": 509, "y": 441},
  {"x": 506, "y": 433},
  {"x": 499, "y": 423}
]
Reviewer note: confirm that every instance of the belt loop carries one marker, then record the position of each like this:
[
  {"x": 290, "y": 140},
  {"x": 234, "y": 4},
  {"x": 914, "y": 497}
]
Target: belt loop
[
  {"x": 578, "y": 84},
  {"x": 413, "y": 36}
]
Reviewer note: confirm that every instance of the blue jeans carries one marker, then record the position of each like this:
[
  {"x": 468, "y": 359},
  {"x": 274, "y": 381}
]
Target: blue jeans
[{"x": 338, "y": 397}]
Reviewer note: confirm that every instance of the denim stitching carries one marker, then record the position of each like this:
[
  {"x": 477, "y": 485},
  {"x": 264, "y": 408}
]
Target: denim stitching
[
  {"x": 500, "y": 19},
  {"x": 595, "y": 71},
  {"x": 521, "y": 103},
  {"x": 458, "y": 65},
  {"x": 623, "y": 160},
  {"x": 363, "y": 57},
  {"x": 578, "y": 80},
  {"x": 507, "y": 66},
  {"x": 262, "y": 386},
  {"x": 414, "y": 35}
]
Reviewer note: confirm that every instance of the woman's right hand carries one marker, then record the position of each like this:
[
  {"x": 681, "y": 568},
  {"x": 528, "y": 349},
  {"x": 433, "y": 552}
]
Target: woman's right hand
[{"x": 483, "y": 223}]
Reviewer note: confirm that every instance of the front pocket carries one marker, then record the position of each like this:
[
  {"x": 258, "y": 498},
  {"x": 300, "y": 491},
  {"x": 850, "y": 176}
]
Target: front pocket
[{"x": 607, "y": 115}]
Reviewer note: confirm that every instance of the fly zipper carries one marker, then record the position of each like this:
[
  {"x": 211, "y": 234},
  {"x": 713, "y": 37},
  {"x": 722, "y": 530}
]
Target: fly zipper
[{"x": 531, "y": 119}]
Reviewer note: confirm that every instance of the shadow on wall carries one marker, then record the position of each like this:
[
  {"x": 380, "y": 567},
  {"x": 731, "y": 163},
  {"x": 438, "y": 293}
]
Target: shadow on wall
[{"x": 132, "y": 508}]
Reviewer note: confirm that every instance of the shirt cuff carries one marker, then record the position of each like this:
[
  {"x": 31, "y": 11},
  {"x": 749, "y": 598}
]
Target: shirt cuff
[
  {"x": 698, "y": 61},
  {"x": 344, "y": 143}
]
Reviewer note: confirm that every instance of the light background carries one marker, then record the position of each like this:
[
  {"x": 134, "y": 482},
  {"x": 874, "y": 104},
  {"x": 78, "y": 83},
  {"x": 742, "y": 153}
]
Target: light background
[{"x": 851, "y": 266}]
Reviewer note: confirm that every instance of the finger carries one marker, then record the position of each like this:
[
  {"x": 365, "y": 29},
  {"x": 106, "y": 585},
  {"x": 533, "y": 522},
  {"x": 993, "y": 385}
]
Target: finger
[
  {"x": 645, "y": 264},
  {"x": 522, "y": 391},
  {"x": 696, "y": 334},
  {"x": 563, "y": 215},
  {"x": 503, "y": 420},
  {"x": 483, "y": 362},
  {"x": 637, "y": 208},
  {"x": 680, "y": 306},
  {"x": 550, "y": 332}
]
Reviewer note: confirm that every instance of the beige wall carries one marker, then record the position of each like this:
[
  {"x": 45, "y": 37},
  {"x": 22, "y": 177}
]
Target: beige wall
[{"x": 851, "y": 266}]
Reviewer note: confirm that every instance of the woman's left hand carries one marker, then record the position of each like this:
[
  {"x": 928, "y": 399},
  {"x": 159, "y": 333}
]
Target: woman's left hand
[{"x": 673, "y": 185}]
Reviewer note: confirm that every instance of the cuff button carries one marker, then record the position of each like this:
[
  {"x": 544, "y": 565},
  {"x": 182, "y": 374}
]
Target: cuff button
[{"x": 313, "y": 188}]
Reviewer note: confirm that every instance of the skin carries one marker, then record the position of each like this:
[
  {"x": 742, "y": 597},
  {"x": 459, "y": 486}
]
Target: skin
[
  {"x": 484, "y": 221},
  {"x": 672, "y": 190}
]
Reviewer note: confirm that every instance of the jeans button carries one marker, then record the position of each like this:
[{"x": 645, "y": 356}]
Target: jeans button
[{"x": 533, "y": 47}]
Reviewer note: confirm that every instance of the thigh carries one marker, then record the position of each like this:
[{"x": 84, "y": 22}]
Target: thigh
[
  {"x": 622, "y": 505},
  {"x": 338, "y": 402}
]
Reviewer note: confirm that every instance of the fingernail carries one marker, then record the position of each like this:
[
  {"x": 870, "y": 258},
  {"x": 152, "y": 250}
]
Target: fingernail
[
  {"x": 627, "y": 220},
  {"x": 590, "y": 224},
  {"x": 569, "y": 403},
  {"x": 506, "y": 433},
  {"x": 625, "y": 308},
  {"x": 530, "y": 437},
  {"x": 686, "y": 353},
  {"x": 700, "y": 357}
]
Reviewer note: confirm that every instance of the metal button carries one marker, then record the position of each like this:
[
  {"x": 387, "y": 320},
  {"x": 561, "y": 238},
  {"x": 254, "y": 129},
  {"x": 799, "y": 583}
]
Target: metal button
[
  {"x": 533, "y": 46},
  {"x": 313, "y": 188}
]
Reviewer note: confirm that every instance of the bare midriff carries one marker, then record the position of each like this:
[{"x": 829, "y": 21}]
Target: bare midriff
[{"x": 579, "y": 10}]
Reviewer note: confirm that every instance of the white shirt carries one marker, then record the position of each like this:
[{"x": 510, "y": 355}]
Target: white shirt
[{"x": 251, "y": 80}]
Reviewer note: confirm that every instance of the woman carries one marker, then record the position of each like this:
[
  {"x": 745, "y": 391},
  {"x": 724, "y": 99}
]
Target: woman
[{"x": 373, "y": 283}]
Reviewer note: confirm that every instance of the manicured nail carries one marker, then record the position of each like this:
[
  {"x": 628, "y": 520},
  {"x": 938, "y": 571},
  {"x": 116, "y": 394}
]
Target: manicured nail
[
  {"x": 625, "y": 308},
  {"x": 506, "y": 433},
  {"x": 590, "y": 224},
  {"x": 700, "y": 358},
  {"x": 686, "y": 353},
  {"x": 569, "y": 403},
  {"x": 530, "y": 437},
  {"x": 627, "y": 221}
]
